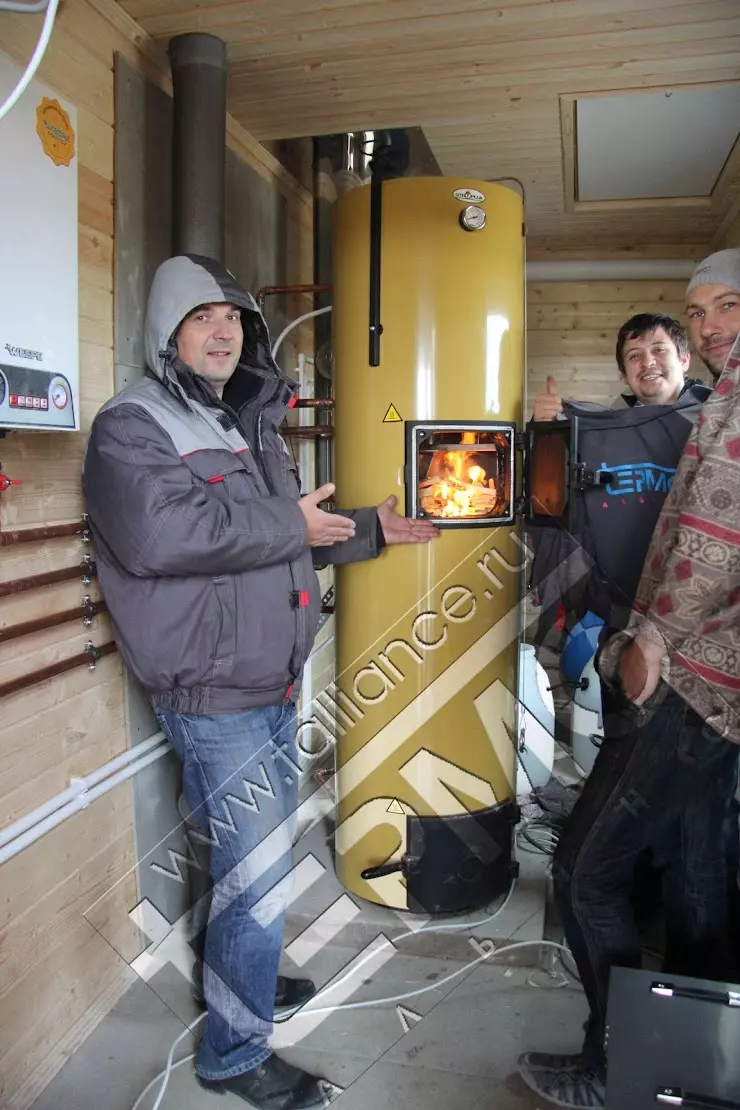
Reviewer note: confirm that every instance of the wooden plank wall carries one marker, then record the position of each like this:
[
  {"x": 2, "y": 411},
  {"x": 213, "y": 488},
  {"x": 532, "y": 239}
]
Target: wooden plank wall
[
  {"x": 573, "y": 329},
  {"x": 60, "y": 968}
]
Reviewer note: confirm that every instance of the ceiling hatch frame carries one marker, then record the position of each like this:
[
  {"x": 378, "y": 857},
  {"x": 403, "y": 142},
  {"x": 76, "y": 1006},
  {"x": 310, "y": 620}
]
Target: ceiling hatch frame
[{"x": 725, "y": 193}]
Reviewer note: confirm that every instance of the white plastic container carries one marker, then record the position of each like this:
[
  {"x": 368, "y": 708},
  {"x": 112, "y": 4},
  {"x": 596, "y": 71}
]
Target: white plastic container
[{"x": 536, "y": 733}]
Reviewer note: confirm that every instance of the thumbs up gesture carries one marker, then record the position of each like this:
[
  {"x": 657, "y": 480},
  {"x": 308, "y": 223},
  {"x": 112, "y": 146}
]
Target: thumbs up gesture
[
  {"x": 324, "y": 529},
  {"x": 549, "y": 404}
]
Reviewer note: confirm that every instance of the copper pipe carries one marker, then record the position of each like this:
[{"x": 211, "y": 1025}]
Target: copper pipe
[
  {"x": 84, "y": 612},
  {"x": 314, "y": 403},
  {"x": 50, "y": 532},
  {"x": 90, "y": 655},
  {"x": 86, "y": 570},
  {"x": 308, "y": 431},
  {"x": 271, "y": 290}
]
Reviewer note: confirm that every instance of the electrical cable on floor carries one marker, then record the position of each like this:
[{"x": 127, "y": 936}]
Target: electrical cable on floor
[
  {"x": 539, "y": 835},
  {"x": 571, "y": 971},
  {"x": 374, "y": 1002},
  {"x": 171, "y": 1066}
]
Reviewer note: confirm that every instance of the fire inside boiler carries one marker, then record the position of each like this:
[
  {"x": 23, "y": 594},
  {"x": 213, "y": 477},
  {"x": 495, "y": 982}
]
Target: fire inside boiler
[{"x": 464, "y": 474}]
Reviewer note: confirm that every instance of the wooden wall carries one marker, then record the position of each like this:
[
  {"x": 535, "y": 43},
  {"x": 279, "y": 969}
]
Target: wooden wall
[
  {"x": 61, "y": 967},
  {"x": 573, "y": 329}
]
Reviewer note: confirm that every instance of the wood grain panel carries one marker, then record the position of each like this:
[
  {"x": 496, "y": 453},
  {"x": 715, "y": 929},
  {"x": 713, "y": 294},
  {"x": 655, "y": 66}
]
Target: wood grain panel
[
  {"x": 69, "y": 898},
  {"x": 95, "y": 201},
  {"x": 484, "y": 81},
  {"x": 68, "y": 65},
  {"x": 572, "y": 332},
  {"x": 73, "y": 984}
]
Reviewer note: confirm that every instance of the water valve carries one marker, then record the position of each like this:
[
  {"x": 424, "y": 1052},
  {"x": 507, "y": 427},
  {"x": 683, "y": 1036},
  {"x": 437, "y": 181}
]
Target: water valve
[{"x": 6, "y": 482}]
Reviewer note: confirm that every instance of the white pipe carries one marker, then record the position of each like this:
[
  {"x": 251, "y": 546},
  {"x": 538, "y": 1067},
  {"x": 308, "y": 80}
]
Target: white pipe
[
  {"x": 13, "y": 847},
  {"x": 621, "y": 269},
  {"x": 77, "y": 787},
  {"x": 81, "y": 791},
  {"x": 122, "y": 760},
  {"x": 294, "y": 324},
  {"x": 35, "y": 62},
  {"x": 29, "y": 8}
]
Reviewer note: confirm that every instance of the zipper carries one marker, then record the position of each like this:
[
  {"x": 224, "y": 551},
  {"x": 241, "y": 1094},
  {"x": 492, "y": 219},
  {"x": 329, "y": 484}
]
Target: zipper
[
  {"x": 259, "y": 432},
  {"x": 301, "y": 646}
]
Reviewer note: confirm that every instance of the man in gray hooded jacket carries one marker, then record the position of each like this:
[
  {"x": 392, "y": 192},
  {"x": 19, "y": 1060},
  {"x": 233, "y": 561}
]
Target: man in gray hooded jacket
[{"x": 206, "y": 557}]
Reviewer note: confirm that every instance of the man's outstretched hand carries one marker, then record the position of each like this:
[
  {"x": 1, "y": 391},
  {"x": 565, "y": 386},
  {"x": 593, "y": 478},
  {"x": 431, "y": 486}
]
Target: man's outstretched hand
[
  {"x": 402, "y": 529},
  {"x": 324, "y": 529}
]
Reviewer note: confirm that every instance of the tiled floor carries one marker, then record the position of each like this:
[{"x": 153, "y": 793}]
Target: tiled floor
[{"x": 454, "y": 1046}]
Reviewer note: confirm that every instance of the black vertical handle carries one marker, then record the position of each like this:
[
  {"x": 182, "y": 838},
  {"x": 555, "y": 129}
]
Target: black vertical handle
[{"x": 376, "y": 216}]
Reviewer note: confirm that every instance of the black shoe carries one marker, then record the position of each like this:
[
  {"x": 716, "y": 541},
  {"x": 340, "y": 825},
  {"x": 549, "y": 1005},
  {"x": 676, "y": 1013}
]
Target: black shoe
[
  {"x": 272, "y": 1085},
  {"x": 290, "y": 994},
  {"x": 196, "y": 984},
  {"x": 564, "y": 1080}
]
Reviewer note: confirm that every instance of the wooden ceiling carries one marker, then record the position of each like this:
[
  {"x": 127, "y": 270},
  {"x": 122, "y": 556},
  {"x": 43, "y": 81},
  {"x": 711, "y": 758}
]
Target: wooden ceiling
[{"x": 489, "y": 82}]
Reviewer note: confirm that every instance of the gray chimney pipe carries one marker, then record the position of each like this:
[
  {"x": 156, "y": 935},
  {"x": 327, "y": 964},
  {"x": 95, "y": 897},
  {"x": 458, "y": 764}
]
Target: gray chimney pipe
[{"x": 198, "y": 64}]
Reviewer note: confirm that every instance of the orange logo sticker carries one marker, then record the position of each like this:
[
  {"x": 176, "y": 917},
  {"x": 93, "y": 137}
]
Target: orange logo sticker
[{"x": 54, "y": 128}]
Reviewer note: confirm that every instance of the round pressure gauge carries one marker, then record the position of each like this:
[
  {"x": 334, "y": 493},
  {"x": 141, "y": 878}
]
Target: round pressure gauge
[
  {"x": 59, "y": 395},
  {"x": 473, "y": 218}
]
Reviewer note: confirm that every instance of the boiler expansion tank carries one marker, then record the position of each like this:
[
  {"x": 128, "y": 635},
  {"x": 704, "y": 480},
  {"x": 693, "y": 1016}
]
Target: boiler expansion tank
[{"x": 427, "y": 635}]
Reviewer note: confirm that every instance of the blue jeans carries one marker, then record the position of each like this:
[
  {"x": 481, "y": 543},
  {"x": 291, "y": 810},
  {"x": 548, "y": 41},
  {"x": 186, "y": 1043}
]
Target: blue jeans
[
  {"x": 240, "y": 778},
  {"x": 668, "y": 783}
]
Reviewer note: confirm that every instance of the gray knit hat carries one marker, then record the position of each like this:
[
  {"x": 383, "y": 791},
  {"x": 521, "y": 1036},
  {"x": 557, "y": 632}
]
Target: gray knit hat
[{"x": 722, "y": 268}]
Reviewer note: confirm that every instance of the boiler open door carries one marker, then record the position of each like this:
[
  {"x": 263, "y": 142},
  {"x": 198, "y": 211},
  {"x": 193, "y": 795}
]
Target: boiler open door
[{"x": 551, "y": 455}]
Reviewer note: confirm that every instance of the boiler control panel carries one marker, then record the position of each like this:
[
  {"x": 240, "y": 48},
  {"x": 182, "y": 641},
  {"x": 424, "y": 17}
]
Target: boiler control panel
[
  {"x": 39, "y": 304},
  {"x": 35, "y": 398}
]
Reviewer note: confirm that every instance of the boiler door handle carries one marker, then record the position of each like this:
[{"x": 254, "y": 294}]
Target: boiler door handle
[
  {"x": 383, "y": 869},
  {"x": 677, "y": 1096}
]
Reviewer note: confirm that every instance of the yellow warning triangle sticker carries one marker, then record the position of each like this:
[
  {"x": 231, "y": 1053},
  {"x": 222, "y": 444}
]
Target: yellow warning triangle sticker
[
  {"x": 395, "y": 807},
  {"x": 392, "y": 416}
]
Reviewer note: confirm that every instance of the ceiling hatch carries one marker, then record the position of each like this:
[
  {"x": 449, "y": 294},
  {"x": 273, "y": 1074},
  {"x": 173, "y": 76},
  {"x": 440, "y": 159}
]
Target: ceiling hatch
[{"x": 663, "y": 143}]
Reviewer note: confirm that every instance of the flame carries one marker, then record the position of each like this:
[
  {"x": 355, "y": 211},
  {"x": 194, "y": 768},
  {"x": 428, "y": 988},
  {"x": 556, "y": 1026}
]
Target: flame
[{"x": 457, "y": 474}]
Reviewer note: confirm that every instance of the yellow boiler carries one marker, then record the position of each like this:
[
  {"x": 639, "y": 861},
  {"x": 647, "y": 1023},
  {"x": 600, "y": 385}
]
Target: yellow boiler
[{"x": 428, "y": 327}]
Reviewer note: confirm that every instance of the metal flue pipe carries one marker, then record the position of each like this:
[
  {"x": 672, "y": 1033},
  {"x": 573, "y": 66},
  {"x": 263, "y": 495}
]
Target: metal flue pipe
[{"x": 198, "y": 64}]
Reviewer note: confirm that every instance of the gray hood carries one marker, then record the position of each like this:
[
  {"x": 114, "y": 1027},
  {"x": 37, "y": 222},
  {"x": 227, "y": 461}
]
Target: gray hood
[{"x": 183, "y": 283}]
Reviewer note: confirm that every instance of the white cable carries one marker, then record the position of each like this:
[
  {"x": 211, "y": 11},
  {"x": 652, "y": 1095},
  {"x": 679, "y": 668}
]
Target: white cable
[
  {"x": 403, "y": 936},
  {"x": 353, "y": 1005},
  {"x": 422, "y": 990},
  {"x": 170, "y": 1067},
  {"x": 410, "y": 933},
  {"x": 35, "y": 62},
  {"x": 294, "y": 324},
  {"x": 164, "y": 1072},
  {"x": 165, "y": 1075},
  {"x": 17, "y": 6}
]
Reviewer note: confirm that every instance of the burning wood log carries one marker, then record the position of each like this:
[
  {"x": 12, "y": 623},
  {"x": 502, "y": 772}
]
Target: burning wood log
[{"x": 454, "y": 497}]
